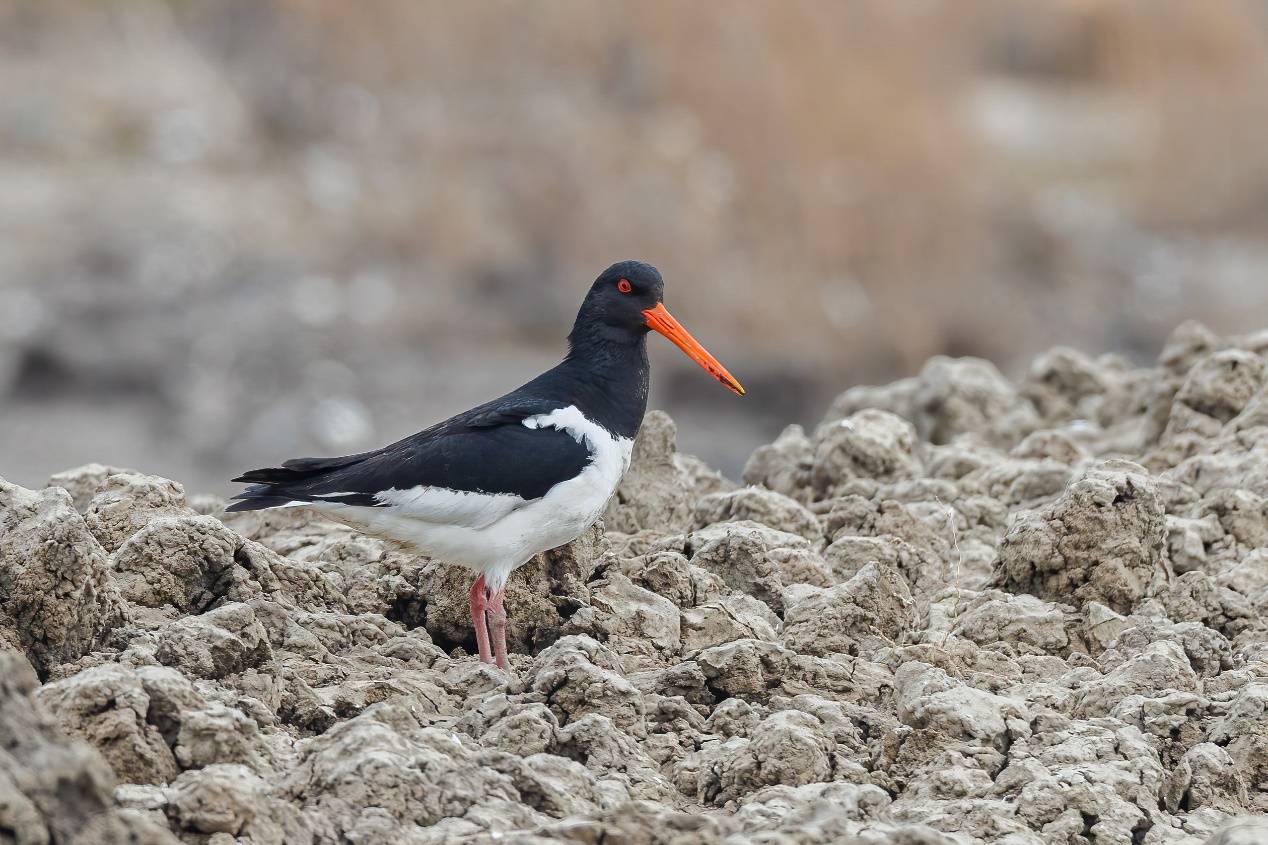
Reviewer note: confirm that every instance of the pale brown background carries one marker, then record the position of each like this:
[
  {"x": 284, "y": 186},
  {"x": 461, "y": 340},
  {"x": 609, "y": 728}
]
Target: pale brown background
[{"x": 232, "y": 232}]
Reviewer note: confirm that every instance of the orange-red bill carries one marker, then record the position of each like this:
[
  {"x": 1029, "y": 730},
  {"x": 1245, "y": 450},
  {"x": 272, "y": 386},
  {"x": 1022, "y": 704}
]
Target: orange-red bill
[{"x": 660, "y": 320}]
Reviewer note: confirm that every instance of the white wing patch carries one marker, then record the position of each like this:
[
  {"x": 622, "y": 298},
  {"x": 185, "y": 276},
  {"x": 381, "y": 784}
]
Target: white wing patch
[{"x": 442, "y": 506}]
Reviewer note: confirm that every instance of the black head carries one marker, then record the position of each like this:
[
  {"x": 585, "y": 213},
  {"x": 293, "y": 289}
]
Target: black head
[
  {"x": 623, "y": 305},
  {"x": 620, "y": 295}
]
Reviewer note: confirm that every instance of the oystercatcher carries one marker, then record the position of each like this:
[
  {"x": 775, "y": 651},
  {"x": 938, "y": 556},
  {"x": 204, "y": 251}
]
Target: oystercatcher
[{"x": 493, "y": 486}]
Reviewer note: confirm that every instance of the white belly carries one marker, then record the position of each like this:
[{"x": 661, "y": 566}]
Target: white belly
[{"x": 495, "y": 534}]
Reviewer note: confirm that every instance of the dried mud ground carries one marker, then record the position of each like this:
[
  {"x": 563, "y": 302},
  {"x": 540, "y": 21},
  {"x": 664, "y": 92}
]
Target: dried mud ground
[{"x": 961, "y": 610}]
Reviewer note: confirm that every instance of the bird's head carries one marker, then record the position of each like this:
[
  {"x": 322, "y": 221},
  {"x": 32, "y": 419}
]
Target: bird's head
[{"x": 627, "y": 300}]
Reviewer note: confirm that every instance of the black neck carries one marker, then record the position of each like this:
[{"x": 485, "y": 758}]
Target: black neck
[{"x": 606, "y": 375}]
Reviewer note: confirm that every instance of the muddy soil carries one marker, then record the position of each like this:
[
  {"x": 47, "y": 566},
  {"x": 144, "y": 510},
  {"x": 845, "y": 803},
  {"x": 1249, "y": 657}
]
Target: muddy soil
[{"x": 961, "y": 610}]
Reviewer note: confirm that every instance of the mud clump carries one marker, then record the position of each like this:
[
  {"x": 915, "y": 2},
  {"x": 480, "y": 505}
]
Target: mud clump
[
  {"x": 960, "y": 610},
  {"x": 1102, "y": 540},
  {"x": 57, "y": 601}
]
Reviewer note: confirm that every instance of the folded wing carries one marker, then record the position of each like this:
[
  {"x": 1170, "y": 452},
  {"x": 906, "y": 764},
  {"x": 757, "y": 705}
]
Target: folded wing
[{"x": 468, "y": 472}]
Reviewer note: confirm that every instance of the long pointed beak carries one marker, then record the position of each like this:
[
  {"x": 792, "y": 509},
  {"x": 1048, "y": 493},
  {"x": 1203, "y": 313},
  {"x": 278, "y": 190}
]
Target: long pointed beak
[{"x": 660, "y": 320}]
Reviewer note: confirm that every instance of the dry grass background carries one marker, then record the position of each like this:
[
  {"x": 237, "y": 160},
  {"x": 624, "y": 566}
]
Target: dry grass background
[{"x": 232, "y": 231}]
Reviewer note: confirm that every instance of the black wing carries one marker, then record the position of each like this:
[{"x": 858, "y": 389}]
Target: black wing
[{"x": 486, "y": 450}]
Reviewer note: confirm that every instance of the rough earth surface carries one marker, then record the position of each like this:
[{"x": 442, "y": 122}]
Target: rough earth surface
[{"x": 961, "y": 610}]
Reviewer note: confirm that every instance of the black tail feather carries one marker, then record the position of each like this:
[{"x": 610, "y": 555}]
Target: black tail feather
[
  {"x": 299, "y": 469},
  {"x": 255, "y": 490},
  {"x": 259, "y": 503},
  {"x": 272, "y": 475},
  {"x": 272, "y": 486}
]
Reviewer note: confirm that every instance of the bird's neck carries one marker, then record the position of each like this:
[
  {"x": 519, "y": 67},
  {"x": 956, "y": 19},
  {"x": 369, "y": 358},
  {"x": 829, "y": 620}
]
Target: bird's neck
[{"x": 608, "y": 377}]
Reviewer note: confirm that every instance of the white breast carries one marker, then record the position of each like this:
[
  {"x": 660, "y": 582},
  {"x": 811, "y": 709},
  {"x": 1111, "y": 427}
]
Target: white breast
[{"x": 496, "y": 533}]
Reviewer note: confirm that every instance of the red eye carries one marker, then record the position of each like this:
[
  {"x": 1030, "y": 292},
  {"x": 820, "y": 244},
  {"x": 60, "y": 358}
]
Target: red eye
[{"x": 624, "y": 286}]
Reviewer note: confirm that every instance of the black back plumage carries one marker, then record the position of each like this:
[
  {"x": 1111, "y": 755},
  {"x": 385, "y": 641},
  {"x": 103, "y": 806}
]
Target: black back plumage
[
  {"x": 485, "y": 450},
  {"x": 488, "y": 449}
]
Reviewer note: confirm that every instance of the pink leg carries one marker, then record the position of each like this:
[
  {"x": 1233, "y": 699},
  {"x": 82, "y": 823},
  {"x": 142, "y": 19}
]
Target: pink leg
[
  {"x": 478, "y": 604},
  {"x": 498, "y": 614}
]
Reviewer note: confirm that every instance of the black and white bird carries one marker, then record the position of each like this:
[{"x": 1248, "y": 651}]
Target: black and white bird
[{"x": 529, "y": 471}]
